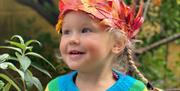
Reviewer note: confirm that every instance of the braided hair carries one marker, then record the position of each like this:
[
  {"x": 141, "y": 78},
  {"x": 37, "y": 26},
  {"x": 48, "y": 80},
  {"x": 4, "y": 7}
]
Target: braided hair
[
  {"x": 132, "y": 68},
  {"x": 126, "y": 62}
]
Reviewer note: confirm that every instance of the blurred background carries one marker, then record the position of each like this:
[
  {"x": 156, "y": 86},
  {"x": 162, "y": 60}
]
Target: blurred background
[{"x": 158, "y": 56}]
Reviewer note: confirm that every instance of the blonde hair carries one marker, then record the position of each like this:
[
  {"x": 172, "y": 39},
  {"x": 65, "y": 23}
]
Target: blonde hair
[{"x": 125, "y": 60}]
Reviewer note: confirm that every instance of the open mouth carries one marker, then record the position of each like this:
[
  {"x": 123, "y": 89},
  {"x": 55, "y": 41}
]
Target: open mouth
[{"x": 76, "y": 54}]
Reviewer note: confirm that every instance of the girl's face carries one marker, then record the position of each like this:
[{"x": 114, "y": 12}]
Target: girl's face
[{"x": 84, "y": 43}]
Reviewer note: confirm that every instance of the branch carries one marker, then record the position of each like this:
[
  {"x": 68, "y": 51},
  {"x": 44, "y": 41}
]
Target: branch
[
  {"x": 48, "y": 15},
  {"x": 175, "y": 89},
  {"x": 158, "y": 43},
  {"x": 146, "y": 8}
]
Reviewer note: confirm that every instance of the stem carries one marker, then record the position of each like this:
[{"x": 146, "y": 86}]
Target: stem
[
  {"x": 24, "y": 85},
  {"x": 23, "y": 53}
]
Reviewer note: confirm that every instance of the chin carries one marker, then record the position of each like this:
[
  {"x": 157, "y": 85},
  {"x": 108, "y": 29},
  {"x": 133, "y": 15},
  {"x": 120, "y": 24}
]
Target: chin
[{"x": 74, "y": 67}]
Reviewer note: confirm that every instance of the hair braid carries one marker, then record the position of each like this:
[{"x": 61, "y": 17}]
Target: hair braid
[
  {"x": 134, "y": 68},
  {"x": 132, "y": 64},
  {"x": 127, "y": 54}
]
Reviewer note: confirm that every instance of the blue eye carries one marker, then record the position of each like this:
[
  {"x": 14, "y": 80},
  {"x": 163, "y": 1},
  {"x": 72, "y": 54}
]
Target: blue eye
[{"x": 86, "y": 30}]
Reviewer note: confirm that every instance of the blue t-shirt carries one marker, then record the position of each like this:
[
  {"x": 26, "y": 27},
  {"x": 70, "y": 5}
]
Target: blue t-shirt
[{"x": 123, "y": 83}]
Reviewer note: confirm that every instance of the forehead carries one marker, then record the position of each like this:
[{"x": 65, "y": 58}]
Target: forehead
[
  {"x": 76, "y": 14},
  {"x": 78, "y": 18}
]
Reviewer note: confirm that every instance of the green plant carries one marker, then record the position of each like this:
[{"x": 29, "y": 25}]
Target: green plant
[{"x": 22, "y": 52}]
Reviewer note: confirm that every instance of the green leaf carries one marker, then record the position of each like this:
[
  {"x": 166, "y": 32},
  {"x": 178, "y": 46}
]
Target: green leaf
[
  {"x": 38, "y": 55},
  {"x": 7, "y": 87},
  {"x": 19, "y": 37},
  {"x": 29, "y": 48},
  {"x": 13, "y": 48},
  {"x": 33, "y": 80},
  {"x": 4, "y": 57},
  {"x": 1, "y": 84},
  {"x": 28, "y": 80},
  {"x": 10, "y": 81},
  {"x": 6, "y": 65},
  {"x": 41, "y": 69},
  {"x": 32, "y": 41},
  {"x": 22, "y": 46},
  {"x": 24, "y": 61},
  {"x": 12, "y": 58},
  {"x": 37, "y": 83}
]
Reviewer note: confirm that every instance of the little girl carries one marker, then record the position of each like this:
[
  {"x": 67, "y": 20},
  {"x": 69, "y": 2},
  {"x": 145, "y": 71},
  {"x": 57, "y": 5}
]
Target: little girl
[{"x": 95, "y": 34}]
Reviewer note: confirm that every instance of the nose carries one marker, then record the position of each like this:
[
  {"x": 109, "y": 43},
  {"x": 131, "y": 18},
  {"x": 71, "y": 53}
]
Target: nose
[{"x": 74, "y": 39}]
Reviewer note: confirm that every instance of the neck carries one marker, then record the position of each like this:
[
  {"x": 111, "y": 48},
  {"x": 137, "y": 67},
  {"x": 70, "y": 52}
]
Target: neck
[
  {"x": 99, "y": 78},
  {"x": 95, "y": 76}
]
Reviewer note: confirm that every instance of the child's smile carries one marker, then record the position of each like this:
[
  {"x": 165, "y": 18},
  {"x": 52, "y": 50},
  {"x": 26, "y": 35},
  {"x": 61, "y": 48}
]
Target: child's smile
[
  {"x": 84, "y": 44},
  {"x": 76, "y": 54}
]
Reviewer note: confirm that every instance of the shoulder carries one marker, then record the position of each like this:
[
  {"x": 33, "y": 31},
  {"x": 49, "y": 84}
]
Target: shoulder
[
  {"x": 60, "y": 82},
  {"x": 129, "y": 83}
]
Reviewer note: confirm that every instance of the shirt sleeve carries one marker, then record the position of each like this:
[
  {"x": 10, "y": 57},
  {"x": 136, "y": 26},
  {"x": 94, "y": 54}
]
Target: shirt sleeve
[
  {"x": 138, "y": 86},
  {"x": 53, "y": 85}
]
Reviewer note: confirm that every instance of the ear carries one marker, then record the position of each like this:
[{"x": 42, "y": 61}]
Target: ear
[{"x": 119, "y": 46}]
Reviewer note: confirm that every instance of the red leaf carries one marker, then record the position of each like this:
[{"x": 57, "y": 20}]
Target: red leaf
[
  {"x": 114, "y": 13},
  {"x": 140, "y": 11},
  {"x": 137, "y": 23},
  {"x": 61, "y": 5}
]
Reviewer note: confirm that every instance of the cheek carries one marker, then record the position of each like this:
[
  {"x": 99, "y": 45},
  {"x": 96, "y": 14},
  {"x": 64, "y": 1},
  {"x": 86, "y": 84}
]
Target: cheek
[
  {"x": 98, "y": 46},
  {"x": 95, "y": 48},
  {"x": 62, "y": 45}
]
